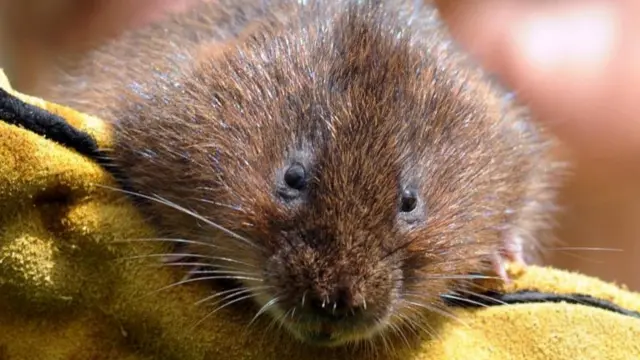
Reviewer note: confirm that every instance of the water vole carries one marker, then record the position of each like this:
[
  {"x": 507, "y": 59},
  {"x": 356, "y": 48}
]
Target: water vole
[{"x": 343, "y": 161}]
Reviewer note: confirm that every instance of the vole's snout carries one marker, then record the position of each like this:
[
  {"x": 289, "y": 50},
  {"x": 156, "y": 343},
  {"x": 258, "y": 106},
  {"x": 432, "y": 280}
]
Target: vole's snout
[
  {"x": 336, "y": 287},
  {"x": 342, "y": 302},
  {"x": 332, "y": 315}
]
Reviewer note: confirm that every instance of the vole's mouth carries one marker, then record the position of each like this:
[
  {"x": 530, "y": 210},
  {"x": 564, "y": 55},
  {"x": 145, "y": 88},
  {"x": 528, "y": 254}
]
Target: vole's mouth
[
  {"x": 325, "y": 335},
  {"x": 332, "y": 334},
  {"x": 323, "y": 338}
]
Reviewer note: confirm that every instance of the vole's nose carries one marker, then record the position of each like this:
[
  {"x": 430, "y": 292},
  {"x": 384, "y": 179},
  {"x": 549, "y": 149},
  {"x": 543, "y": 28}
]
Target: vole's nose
[{"x": 341, "y": 303}]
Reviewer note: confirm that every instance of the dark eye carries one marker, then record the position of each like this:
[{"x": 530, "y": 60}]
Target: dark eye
[
  {"x": 295, "y": 177},
  {"x": 409, "y": 201}
]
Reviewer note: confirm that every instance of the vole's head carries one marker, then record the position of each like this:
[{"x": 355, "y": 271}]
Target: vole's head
[{"x": 358, "y": 168}]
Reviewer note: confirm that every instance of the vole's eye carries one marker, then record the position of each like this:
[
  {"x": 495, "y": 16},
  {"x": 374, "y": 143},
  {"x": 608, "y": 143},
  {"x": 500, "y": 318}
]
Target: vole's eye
[
  {"x": 295, "y": 177},
  {"x": 408, "y": 201}
]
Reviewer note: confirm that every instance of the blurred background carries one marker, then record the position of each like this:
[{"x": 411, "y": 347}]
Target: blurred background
[{"x": 599, "y": 226}]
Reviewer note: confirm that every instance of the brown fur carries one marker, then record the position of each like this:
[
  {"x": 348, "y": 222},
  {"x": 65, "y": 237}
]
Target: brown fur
[{"x": 209, "y": 108}]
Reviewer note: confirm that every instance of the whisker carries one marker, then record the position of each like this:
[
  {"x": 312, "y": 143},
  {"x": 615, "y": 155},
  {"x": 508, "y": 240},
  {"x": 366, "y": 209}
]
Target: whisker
[
  {"x": 200, "y": 256},
  {"x": 578, "y": 248},
  {"x": 482, "y": 296},
  {"x": 283, "y": 316},
  {"x": 171, "y": 240},
  {"x": 221, "y": 293},
  {"x": 185, "y": 264},
  {"x": 274, "y": 321},
  {"x": 197, "y": 265},
  {"x": 239, "y": 291},
  {"x": 163, "y": 201},
  {"x": 222, "y": 307},
  {"x": 190, "y": 280},
  {"x": 264, "y": 308},
  {"x": 451, "y": 277},
  {"x": 398, "y": 332},
  {"x": 230, "y": 272},
  {"x": 383, "y": 338},
  {"x": 464, "y": 277},
  {"x": 371, "y": 348},
  {"x": 190, "y": 274},
  {"x": 583, "y": 257},
  {"x": 464, "y": 300},
  {"x": 199, "y": 268},
  {"x": 437, "y": 311},
  {"x": 412, "y": 323},
  {"x": 235, "y": 208}
]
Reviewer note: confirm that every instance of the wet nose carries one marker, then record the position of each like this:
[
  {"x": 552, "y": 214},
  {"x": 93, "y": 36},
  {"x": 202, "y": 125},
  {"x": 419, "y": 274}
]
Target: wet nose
[{"x": 339, "y": 304}]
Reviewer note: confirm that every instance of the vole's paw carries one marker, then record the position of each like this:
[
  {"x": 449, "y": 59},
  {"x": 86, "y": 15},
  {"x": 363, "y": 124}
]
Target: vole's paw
[{"x": 512, "y": 252}]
